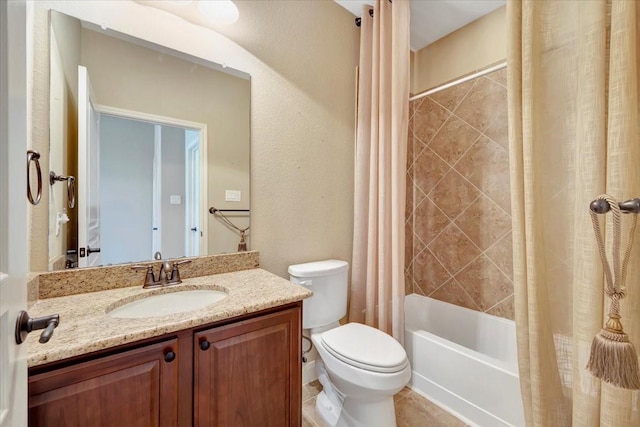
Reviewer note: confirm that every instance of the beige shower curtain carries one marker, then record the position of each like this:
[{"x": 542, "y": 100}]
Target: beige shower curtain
[
  {"x": 573, "y": 119},
  {"x": 377, "y": 278}
]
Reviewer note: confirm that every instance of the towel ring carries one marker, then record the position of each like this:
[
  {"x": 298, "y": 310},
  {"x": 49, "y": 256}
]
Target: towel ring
[
  {"x": 71, "y": 187},
  {"x": 34, "y": 156}
]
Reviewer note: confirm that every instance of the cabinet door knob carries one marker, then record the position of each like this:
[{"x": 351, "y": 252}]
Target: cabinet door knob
[
  {"x": 169, "y": 356},
  {"x": 204, "y": 345}
]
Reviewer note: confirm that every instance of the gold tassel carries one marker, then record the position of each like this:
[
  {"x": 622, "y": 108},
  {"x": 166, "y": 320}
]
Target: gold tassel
[{"x": 613, "y": 358}]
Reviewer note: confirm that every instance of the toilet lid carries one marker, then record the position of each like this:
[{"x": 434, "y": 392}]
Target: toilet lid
[{"x": 365, "y": 347}]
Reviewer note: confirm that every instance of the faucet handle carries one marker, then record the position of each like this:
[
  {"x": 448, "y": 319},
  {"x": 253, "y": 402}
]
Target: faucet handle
[
  {"x": 175, "y": 272},
  {"x": 149, "y": 279}
]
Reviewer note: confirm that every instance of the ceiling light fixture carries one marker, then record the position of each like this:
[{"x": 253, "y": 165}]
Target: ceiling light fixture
[{"x": 219, "y": 11}]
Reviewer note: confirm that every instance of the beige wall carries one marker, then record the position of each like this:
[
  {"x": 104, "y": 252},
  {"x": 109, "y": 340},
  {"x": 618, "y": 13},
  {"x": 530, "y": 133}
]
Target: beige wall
[
  {"x": 301, "y": 57},
  {"x": 473, "y": 47}
]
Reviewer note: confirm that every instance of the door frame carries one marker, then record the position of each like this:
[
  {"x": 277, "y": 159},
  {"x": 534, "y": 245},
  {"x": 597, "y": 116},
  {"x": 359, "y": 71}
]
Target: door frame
[{"x": 201, "y": 128}]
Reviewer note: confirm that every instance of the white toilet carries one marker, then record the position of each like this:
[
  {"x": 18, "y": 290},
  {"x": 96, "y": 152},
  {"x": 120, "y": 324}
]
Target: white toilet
[{"x": 360, "y": 367}]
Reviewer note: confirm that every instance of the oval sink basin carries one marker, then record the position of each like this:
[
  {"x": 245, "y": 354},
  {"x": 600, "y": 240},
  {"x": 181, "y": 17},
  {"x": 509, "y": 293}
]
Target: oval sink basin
[{"x": 168, "y": 303}]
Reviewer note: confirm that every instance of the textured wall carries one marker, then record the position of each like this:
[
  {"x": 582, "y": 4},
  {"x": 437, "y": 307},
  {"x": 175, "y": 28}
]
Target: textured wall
[
  {"x": 302, "y": 58},
  {"x": 458, "y": 206}
]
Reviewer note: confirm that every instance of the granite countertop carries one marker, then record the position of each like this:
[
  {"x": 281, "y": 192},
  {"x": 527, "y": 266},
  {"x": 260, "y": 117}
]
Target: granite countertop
[{"x": 85, "y": 327}]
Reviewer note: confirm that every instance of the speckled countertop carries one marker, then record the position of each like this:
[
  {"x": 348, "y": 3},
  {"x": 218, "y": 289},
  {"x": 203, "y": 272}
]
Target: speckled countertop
[{"x": 85, "y": 326}]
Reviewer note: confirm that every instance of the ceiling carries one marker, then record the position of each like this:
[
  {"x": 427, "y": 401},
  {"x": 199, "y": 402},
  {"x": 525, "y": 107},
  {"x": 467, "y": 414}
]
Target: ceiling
[{"x": 433, "y": 19}]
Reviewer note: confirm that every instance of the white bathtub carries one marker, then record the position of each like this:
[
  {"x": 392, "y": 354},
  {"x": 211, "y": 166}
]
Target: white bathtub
[{"x": 464, "y": 360}]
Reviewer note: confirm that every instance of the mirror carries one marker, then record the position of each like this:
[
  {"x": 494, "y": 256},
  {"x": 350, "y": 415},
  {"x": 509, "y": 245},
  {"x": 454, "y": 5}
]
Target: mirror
[{"x": 152, "y": 138}]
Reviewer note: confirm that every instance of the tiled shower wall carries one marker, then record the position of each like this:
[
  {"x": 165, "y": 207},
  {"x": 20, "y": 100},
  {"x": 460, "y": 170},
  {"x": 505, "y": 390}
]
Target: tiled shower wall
[{"x": 458, "y": 225}]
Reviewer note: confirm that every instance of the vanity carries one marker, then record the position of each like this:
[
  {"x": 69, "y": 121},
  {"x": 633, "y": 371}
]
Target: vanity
[{"x": 236, "y": 362}]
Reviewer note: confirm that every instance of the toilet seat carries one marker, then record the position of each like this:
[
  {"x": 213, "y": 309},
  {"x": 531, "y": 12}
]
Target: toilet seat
[{"x": 365, "y": 347}]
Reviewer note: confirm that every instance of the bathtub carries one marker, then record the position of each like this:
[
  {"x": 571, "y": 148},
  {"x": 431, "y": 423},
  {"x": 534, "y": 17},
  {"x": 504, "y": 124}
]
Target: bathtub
[{"x": 464, "y": 361}]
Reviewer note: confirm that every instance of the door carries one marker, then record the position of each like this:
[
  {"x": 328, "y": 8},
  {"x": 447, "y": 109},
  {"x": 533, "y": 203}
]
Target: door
[
  {"x": 136, "y": 388},
  {"x": 13, "y": 209},
  {"x": 261, "y": 355},
  {"x": 192, "y": 193},
  {"x": 87, "y": 183}
]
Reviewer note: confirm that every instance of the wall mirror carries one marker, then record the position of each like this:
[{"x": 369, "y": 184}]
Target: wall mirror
[{"x": 144, "y": 140}]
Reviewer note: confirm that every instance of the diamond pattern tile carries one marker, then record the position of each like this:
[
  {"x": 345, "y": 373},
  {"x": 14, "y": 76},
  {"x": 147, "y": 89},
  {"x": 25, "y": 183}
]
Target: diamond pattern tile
[
  {"x": 504, "y": 309},
  {"x": 483, "y": 104},
  {"x": 453, "y": 249},
  {"x": 453, "y": 139},
  {"x": 484, "y": 283},
  {"x": 476, "y": 247},
  {"x": 484, "y": 222},
  {"x": 500, "y": 192},
  {"x": 499, "y": 76},
  {"x": 450, "y": 98},
  {"x": 429, "y": 273},
  {"x": 484, "y": 163},
  {"x": 453, "y": 293},
  {"x": 453, "y": 194},
  {"x": 498, "y": 129},
  {"x": 428, "y": 170},
  {"x": 428, "y": 118},
  {"x": 501, "y": 254},
  {"x": 429, "y": 221}
]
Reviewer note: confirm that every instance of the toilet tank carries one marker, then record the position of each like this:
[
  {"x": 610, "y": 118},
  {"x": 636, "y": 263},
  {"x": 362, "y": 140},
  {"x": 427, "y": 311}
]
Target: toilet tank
[{"x": 328, "y": 281}]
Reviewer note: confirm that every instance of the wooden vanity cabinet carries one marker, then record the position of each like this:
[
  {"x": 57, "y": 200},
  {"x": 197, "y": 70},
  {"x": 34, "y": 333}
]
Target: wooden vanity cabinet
[
  {"x": 242, "y": 373},
  {"x": 135, "y": 388},
  {"x": 249, "y": 373}
]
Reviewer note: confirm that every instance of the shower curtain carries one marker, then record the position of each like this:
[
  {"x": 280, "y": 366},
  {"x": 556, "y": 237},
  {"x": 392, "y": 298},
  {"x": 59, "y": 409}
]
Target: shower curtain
[
  {"x": 573, "y": 119},
  {"x": 377, "y": 277}
]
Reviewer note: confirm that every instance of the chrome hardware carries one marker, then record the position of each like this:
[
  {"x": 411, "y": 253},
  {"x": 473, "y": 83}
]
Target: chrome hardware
[
  {"x": 26, "y": 324},
  {"x": 71, "y": 187},
  {"x": 34, "y": 156}
]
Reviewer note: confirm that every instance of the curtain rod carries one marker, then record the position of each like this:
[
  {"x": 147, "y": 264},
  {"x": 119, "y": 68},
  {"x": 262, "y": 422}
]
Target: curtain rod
[{"x": 460, "y": 80}]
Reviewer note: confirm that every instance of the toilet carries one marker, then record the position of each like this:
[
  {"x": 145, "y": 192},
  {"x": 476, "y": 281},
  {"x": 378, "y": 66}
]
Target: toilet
[{"x": 360, "y": 367}]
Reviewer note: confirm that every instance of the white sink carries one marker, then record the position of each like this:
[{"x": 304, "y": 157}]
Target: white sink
[{"x": 167, "y": 303}]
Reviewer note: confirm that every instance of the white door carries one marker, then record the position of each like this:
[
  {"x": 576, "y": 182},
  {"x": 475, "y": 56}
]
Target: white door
[
  {"x": 192, "y": 192},
  {"x": 13, "y": 209},
  {"x": 87, "y": 183}
]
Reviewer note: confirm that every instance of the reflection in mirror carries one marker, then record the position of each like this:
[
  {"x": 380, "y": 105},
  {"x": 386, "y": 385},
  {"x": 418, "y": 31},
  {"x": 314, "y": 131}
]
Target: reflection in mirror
[{"x": 171, "y": 137}]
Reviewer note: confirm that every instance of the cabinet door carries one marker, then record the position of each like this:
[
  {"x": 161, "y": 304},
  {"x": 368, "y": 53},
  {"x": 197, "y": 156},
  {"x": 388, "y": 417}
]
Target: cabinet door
[
  {"x": 135, "y": 388},
  {"x": 248, "y": 374}
]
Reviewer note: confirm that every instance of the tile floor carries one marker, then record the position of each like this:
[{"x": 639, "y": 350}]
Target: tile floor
[{"x": 412, "y": 410}]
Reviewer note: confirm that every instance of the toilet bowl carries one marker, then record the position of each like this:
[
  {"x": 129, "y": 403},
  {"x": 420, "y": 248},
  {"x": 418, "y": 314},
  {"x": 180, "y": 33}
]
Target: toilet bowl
[{"x": 360, "y": 367}]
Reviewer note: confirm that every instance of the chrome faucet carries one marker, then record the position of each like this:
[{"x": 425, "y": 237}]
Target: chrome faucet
[{"x": 169, "y": 274}]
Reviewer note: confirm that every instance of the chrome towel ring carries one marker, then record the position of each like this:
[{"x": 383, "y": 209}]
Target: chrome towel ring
[{"x": 34, "y": 156}]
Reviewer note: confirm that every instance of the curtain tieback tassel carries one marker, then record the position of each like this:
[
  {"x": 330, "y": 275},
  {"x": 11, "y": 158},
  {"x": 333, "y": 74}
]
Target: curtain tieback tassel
[{"x": 613, "y": 357}]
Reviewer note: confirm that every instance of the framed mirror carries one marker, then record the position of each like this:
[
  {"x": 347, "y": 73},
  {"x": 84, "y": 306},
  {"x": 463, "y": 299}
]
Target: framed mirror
[{"x": 146, "y": 140}]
